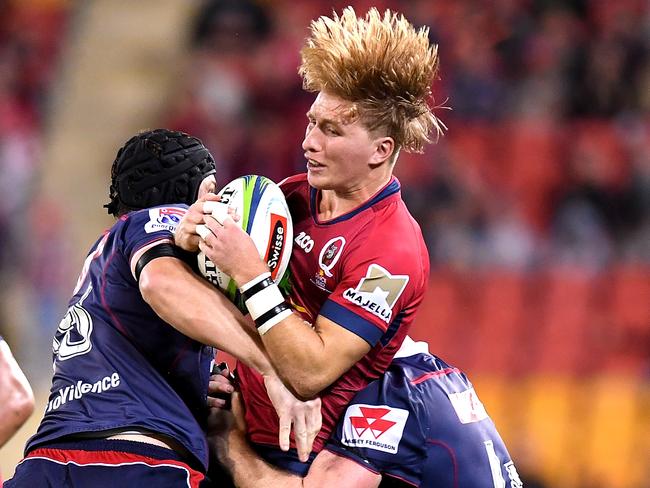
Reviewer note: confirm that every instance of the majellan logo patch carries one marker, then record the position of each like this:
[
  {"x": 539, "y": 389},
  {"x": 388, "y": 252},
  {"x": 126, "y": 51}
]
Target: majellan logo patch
[
  {"x": 377, "y": 292},
  {"x": 378, "y": 427},
  {"x": 277, "y": 239}
]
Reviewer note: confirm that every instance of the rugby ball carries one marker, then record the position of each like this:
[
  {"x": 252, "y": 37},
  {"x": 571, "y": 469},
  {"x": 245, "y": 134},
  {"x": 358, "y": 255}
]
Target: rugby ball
[{"x": 264, "y": 215}]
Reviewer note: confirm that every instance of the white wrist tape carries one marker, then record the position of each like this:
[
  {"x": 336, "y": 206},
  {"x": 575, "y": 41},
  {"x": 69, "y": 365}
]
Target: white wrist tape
[
  {"x": 263, "y": 301},
  {"x": 254, "y": 281},
  {"x": 273, "y": 321}
]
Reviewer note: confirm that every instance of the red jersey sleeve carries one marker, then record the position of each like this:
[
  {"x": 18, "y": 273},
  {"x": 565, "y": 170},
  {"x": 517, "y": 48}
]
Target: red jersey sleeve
[{"x": 383, "y": 279}]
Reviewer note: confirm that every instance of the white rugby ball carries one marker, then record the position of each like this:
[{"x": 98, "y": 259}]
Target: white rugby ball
[{"x": 264, "y": 215}]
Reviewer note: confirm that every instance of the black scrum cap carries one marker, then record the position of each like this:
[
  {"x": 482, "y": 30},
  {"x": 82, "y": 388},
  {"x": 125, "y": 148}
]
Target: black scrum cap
[{"x": 158, "y": 167}]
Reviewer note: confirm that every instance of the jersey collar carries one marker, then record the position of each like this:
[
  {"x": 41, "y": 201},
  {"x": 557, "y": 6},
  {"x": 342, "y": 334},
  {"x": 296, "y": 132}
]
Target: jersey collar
[{"x": 391, "y": 188}]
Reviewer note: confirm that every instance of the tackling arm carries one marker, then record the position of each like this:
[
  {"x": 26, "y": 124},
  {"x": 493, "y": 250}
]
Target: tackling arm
[
  {"x": 205, "y": 315},
  {"x": 210, "y": 318},
  {"x": 16, "y": 396},
  {"x": 249, "y": 470}
]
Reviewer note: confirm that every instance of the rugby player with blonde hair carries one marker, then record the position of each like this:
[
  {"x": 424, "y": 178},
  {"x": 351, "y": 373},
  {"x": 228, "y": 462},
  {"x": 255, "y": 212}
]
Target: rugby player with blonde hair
[{"x": 359, "y": 267}]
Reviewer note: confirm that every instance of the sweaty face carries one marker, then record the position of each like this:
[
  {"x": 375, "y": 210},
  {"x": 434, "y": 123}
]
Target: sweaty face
[{"x": 339, "y": 149}]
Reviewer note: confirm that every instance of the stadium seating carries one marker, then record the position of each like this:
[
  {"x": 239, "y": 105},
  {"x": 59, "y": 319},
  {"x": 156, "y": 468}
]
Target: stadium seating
[{"x": 500, "y": 326}]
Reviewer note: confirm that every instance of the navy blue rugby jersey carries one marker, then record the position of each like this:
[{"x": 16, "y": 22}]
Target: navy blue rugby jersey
[
  {"x": 118, "y": 365},
  {"x": 423, "y": 424}
]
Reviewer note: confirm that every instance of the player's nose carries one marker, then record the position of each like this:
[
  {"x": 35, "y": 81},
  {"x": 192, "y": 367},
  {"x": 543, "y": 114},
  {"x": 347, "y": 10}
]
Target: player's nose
[{"x": 310, "y": 142}]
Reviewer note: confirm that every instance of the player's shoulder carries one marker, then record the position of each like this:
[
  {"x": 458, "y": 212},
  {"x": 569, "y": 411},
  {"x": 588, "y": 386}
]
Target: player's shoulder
[
  {"x": 414, "y": 362},
  {"x": 394, "y": 219},
  {"x": 391, "y": 215},
  {"x": 411, "y": 369},
  {"x": 396, "y": 226},
  {"x": 396, "y": 241},
  {"x": 417, "y": 365},
  {"x": 427, "y": 379},
  {"x": 162, "y": 217},
  {"x": 141, "y": 227}
]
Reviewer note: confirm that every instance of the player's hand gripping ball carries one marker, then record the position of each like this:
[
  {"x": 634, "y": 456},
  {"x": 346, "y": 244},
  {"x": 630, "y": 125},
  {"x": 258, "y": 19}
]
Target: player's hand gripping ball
[{"x": 264, "y": 215}]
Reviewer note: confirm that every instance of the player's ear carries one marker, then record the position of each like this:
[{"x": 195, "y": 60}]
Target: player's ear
[{"x": 384, "y": 148}]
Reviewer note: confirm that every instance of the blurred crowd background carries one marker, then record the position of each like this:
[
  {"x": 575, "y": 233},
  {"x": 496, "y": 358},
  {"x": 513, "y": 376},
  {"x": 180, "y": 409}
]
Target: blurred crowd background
[{"x": 535, "y": 205}]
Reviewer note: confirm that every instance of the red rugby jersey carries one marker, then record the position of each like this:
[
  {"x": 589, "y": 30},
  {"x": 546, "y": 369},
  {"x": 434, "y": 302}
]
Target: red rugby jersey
[{"x": 367, "y": 271}]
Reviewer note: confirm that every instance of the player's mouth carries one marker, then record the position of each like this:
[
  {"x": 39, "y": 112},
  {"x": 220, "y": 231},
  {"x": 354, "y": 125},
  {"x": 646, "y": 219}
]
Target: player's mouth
[{"x": 311, "y": 164}]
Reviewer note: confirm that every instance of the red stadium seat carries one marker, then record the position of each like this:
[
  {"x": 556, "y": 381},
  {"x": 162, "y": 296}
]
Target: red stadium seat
[
  {"x": 499, "y": 323},
  {"x": 631, "y": 297},
  {"x": 438, "y": 318},
  {"x": 470, "y": 149},
  {"x": 628, "y": 320},
  {"x": 531, "y": 159},
  {"x": 598, "y": 141},
  {"x": 562, "y": 338}
]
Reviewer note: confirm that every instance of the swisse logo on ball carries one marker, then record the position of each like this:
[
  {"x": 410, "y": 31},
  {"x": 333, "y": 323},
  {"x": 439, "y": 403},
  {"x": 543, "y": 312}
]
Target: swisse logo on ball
[{"x": 277, "y": 239}]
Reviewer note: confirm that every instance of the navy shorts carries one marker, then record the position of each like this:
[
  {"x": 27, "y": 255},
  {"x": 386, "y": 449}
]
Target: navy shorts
[
  {"x": 287, "y": 461},
  {"x": 103, "y": 463}
]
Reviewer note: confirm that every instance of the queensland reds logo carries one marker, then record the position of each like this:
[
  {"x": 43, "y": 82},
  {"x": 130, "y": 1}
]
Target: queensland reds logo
[{"x": 330, "y": 254}]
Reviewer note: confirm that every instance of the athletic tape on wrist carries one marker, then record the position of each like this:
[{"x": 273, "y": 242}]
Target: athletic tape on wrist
[
  {"x": 264, "y": 301},
  {"x": 273, "y": 321},
  {"x": 247, "y": 286}
]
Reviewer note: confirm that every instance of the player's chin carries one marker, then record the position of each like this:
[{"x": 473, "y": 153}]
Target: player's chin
[{"x": 317, "y": 180}]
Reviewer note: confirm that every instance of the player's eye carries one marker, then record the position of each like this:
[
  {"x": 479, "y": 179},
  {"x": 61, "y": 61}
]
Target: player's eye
[{"x": 331, "y": 131}]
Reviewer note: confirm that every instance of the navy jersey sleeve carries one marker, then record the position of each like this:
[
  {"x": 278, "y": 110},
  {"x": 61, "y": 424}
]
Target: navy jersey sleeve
[
  {"x": 382, "y": 432},
  {"x": 147, "y": 226}
]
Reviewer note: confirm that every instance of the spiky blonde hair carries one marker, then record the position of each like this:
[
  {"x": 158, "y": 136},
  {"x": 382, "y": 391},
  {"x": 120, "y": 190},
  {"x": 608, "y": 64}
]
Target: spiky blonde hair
[{"x": 381, "y": 64}]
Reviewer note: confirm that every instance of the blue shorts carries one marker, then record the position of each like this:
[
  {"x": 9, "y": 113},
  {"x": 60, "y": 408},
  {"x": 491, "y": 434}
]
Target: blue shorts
[
  {"x": 103, "y": 463},
  {"x": 287, "y": 461}
]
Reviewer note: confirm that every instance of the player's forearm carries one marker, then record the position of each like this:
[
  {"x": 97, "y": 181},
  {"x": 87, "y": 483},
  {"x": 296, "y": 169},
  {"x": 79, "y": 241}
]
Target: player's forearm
[
  {"x": 248, "y": 469},
  {"x": 300, "y": 357},
  {"x": 14, "y": 413},
  {"x": 16, "y": 396},
  {"x": 192, "y": 306}
]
